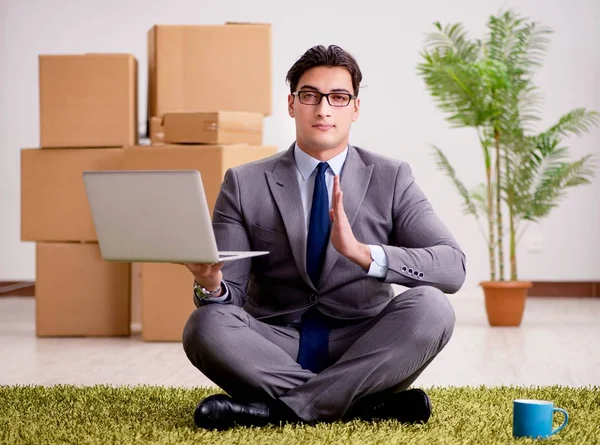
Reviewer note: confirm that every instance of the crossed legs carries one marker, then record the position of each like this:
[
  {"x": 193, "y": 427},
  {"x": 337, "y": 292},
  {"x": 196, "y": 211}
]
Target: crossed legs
[{"x": 253, "y": 361}]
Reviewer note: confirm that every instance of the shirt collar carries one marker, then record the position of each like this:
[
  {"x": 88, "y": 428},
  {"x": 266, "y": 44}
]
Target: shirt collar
[{"x": 306, "y": 164}]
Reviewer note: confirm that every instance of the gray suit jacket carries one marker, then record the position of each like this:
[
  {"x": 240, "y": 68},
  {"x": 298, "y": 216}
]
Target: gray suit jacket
[{"x": 259, "y": 207}]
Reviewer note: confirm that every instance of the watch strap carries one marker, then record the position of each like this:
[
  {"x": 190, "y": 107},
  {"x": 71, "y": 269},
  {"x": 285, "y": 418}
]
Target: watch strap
[{"x": 203, "y": 293}]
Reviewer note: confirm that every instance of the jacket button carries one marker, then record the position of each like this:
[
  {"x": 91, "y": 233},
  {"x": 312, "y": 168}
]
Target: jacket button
[{"x": 314, "y": 298}]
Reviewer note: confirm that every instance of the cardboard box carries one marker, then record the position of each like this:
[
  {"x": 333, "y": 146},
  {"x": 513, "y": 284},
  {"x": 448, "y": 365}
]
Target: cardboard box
[
  {"x": 54, "y": 205},
  {"x": 165, "y": 290},
  {"x": 77, "y": 293},
  {"x": 136, "y": 304},
  {"x": 88, "y": 100},
  {"x": 212, "y": 161},
  {"x": 165, "y": 295},
  {"x": 219, "y": 127},
  {"x": 157, "y": 131},
  {"x": 207, "y": 68}
]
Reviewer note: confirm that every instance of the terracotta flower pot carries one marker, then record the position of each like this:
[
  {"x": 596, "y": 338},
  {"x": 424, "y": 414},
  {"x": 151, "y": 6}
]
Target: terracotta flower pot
[{"x": 505, "y": 301}]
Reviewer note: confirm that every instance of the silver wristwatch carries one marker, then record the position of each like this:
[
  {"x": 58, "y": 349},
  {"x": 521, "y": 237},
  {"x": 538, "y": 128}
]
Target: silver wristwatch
[{"x": 203, "y": 293}]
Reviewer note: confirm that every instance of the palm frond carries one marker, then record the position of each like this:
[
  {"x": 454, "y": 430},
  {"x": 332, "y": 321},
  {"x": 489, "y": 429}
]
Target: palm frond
[
  {"x": 529, "y": 103},
  {"x": 529, "y": 47},
  {"x": 542, "y": 175},
  {"x": 500, "y": 37},
  {"x": 521, "y": 44},
  {"x": 520, "y": 108},
  {"x": 527, "y": 160},
  {"x": 577, "y": 121},
  {"x": 555, "y": 183},
  {"x": 478, "y": 197},
  {"x": 444, "y": 164},
  {"x": 451, "y": 38},
  {"x": 453, "y": 88},
  {"x": 464, "y": 90}
]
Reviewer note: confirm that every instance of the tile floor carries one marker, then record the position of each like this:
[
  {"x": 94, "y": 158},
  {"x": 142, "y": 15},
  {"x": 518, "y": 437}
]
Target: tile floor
[{"x": 558, "y": 343}]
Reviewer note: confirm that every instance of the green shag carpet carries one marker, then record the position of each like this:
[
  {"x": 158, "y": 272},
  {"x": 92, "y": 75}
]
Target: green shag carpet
[{"x": 147, "y": 415}]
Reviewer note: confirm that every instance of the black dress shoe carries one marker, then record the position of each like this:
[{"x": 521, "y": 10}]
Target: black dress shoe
[
  {"x": 222, "y": 412},
  {"x": 410, "y": 406}
]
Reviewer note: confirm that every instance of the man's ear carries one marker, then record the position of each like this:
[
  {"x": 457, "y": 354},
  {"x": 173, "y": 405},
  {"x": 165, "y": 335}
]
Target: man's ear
[
  {"x": 291, "y": 106},
  {"x": 356, "y": 112}
]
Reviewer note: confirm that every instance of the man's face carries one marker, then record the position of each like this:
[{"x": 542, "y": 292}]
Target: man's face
[{"x": 322, "y": 130}]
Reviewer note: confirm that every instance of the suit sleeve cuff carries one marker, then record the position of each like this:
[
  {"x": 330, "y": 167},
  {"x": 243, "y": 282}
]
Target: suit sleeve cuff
[{"x": 379, "y": 265}]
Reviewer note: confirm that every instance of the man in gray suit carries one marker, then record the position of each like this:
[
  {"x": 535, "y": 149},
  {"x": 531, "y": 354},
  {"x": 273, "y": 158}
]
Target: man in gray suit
[{"x": 313, "y": 331}]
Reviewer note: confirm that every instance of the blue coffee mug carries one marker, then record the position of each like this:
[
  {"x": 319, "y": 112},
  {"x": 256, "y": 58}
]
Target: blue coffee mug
[{"x": 533, "y": 418}]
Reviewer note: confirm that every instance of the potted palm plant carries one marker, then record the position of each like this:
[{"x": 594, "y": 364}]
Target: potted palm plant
[{"x": 487, "y": 85}]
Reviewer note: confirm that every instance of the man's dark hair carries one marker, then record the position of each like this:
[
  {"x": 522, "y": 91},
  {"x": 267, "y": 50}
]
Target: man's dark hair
[{"x": 321, "y": 56}]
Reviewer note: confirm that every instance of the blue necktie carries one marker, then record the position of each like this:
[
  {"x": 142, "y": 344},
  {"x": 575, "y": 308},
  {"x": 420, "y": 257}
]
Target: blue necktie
[{"x": 314, "y": 332}]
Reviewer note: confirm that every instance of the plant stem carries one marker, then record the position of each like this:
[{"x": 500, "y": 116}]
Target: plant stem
[
  {"x": 492, "y": 243},
  {"x": 498, "y": 207},
  {"x": 490, "y": 206},
  {"x": 511, "y": 217},
  {"x": 513, "y": 249}
]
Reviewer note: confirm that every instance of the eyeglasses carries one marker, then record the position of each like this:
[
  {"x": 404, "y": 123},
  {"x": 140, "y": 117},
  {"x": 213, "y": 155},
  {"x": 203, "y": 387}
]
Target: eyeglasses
[{"x": 314, "y": 98}]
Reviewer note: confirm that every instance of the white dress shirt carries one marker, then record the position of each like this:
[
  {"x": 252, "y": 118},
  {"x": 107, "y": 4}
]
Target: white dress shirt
[{"x": 306, "y": 172}]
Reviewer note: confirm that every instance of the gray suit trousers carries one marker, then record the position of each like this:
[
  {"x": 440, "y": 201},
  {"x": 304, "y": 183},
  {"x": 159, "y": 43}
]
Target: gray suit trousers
[{"x": 254, "y": 361}]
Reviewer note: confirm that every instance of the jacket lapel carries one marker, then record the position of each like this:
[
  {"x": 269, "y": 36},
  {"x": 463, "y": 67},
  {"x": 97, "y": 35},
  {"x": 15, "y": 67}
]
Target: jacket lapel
[
  {"x": 354, "y": 181},
  {"x": 284, "y": 187}
]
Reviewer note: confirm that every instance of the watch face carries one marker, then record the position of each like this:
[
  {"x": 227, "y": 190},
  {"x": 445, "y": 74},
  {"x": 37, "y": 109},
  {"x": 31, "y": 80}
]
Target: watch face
[{"x": 198, "y": 292}]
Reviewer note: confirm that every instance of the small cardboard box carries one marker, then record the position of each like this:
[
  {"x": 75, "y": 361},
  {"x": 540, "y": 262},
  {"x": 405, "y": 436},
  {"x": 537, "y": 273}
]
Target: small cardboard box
[
  {"x": 54, "y": 205},
  {"x": 77, "y": 293},
  {"x": 165, "y": 291},
  {"x": 209, "y": 67},
  {"x": 88, "y": 100},
  {"x": 157, "y": 131},
  {"x": 219, "y": 127}
]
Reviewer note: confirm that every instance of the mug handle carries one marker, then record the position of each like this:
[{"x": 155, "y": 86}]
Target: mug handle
[{"x": 564, "y": 423}]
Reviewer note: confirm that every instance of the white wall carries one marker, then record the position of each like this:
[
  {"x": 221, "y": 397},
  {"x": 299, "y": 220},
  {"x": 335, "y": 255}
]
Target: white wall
[{"x": 398, "y": 117}]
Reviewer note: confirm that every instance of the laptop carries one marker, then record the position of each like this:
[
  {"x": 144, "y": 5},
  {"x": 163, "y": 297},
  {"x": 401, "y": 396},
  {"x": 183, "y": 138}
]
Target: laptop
[{"x": 154, "y": 216}]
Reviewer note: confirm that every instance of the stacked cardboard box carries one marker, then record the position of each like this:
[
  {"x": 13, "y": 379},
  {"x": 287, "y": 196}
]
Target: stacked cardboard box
[
  {"x": 207, "y": 68},
  {"x": 209, "y": 91},
  {"x": 88, "y": 113}
]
